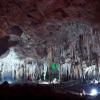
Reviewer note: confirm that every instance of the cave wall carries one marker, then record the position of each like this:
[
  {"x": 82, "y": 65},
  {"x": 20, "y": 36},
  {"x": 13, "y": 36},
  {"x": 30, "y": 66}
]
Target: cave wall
[{"x": 52, "y": 29}]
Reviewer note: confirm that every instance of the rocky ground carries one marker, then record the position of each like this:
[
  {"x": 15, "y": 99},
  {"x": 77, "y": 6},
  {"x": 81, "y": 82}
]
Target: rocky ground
[{"x": 35, "y": 91}]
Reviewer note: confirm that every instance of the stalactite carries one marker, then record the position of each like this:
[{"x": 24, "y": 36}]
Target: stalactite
[
  {"x": 50, "y": 58},
  {"x": 73, "y": 40}
]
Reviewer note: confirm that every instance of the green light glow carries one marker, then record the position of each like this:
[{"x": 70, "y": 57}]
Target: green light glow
[{"x": 54, "y": 67}]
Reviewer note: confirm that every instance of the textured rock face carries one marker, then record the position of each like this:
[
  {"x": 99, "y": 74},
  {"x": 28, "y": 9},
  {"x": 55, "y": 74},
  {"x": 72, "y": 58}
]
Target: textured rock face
[
  {"x": 30, "y": 14},
  {"x": 73, "y": 45},
  {"x": 52, "y": 29}
]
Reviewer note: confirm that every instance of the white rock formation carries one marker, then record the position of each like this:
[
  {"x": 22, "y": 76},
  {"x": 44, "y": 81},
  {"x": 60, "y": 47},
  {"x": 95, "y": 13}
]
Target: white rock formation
[
  {"x": 9, "y": 64},
  {"x": 12, "y": 67}
]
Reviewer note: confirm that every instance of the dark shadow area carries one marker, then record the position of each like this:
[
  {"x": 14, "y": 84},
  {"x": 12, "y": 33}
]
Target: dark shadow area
[
  {"x": 35, "y": 91},
  {"x": 5, "y": 44},
  {"x": 16, "y": 30}
]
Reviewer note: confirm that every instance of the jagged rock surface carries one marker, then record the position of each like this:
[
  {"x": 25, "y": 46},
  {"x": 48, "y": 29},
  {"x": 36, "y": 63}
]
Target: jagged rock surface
[{"x": 54, "y": 30}]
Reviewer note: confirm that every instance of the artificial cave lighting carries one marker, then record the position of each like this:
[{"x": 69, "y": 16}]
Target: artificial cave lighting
[
  {"x": 65, "y": 57},
  {"x": 94, "y": 92},
  {"x": 16, "y": 69}
]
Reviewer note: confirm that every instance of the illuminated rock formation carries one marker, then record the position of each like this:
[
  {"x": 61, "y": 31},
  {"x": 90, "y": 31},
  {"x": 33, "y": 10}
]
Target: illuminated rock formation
[{"x": 46, "y": 32}]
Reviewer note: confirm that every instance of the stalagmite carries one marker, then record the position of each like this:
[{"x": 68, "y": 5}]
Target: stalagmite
[
  {"x": 45, "y": 70},
  {"x": 73, "y": 48}
]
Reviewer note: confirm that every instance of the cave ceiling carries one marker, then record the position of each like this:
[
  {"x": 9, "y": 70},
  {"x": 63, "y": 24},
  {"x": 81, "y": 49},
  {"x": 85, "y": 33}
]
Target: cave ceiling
[
  {"x": 29, "y": 15},
  {"x": 34, "y": 16}
]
